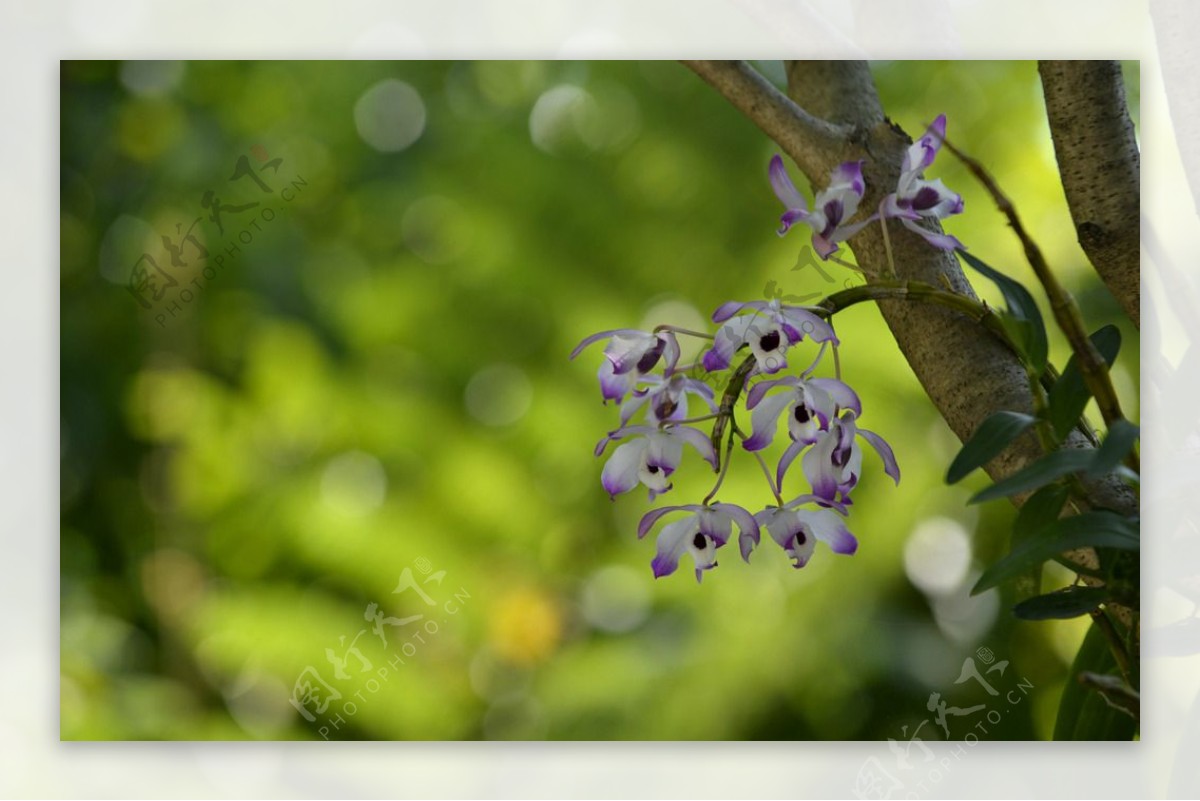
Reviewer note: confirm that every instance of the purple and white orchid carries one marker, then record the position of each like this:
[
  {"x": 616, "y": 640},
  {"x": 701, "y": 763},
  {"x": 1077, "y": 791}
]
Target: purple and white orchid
[
  {"x": 769, "y": 331},
  {"x": 832, "y": 207},
  {"x": 630, "y": 353},
  {"x": 665, "y": 399},
  {"x": 651, "y": 458},
  {"x": 917, "y": 199},
  {"x": 797, "y": 530},
  {"x": 812, "y": 403},
  {"x": 833, "y": 464},
  {"x": 701, "y": 533}
]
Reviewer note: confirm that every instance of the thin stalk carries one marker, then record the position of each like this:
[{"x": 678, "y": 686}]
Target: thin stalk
[
  {"x": 766, "y": 470},
  {"x": 1115, "y": 643},
  {"x": 1066, "y": 311},
  {"x": 676, "y": 329},
  {"x": 887, "y": 242}
]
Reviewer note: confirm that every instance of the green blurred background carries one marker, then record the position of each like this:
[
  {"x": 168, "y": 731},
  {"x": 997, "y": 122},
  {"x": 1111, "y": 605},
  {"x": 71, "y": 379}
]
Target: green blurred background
[{"x": 377, "y": 380}]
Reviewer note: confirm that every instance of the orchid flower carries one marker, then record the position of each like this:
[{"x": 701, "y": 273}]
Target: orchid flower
[
  {"x": 832, "y": 207},
  {"x": 769, "y": 332},
  {"x": 797, "y": 530},
  {"x": 812, "y": 403},
  {"x": 651, "y": 458},
  {"x": 666, "y": 398},
  {"x": 701, "y": 533},
  {"x": 916, "y": 198},
  {"x": 629, "y": 354},
  {"x": 834, "y": 463}
]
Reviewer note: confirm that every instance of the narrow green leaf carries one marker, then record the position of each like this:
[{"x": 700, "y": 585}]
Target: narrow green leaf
[
  {"x": 1070, "y": 395},
  {"x": 993, "y": 435},
  {"x": 1040, "y": 510},
  {"x": 1062, "y": 604},
  {"x": 1096, "y": 529},
  {"x": 1050, "y": 467},
  {"x": 1115, "y": 448},
  {"x": 1083, "y": 714},
  {"x": 1031, "y": 336}
]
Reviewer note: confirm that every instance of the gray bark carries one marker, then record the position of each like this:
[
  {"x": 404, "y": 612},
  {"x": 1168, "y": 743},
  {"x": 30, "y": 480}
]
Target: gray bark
[{"x": 1101, "y": 169}]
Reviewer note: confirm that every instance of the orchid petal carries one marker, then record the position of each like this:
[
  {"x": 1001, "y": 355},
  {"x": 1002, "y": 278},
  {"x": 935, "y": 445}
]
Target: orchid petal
[
  {"x": 698, "y": 440},
  {"x": 728, "y": 339},
  {"x": 850, "y": 174},
  {"x": 940, "y": 241},
  {"x": 785, "y": 190},
  {"x": 602, "y": 335},
  {"x": 819, "y": 469},
  {"x": 730, "y": 308},
  {"x": 764, "y": 420},
  {"x": 612, "y": 386},
  {"x": 672, "y": 541},
  {"x": 748, "y": 538},
  {"x": 762, "y": 387},
  {"x": 650, "y": 518},
  {"x": 840, "y": 392},
  {"x": 620, "y": 472},
  {"x": 885, "y": 452},
  {"x": 828, "y": 527},
  {"x": 809, "y": 323},
  {"x": 785, "y": 461}
]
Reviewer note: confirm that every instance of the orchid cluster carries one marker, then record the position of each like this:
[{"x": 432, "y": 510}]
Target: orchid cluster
[
  {"x": 641, "y": 374},
  {"x": 914, "y": 199}
]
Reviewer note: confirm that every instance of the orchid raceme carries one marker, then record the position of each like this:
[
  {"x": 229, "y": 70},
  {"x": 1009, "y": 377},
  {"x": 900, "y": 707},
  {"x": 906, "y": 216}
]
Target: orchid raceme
[
  {"x": 916, "y": 198},
  {"x": 811, "y": 403},
  {"x": 798, "y": 530},
  {"x": 833, "y": 464},
  {"x": 651, "y": 458},
  {"x": 832, "y": 208},
  {"x": 629, "y": 354},
  {"x": 655, "y": 420},
  {"x": 701, "y": 533},
  {"x": 769, "y": 329}
]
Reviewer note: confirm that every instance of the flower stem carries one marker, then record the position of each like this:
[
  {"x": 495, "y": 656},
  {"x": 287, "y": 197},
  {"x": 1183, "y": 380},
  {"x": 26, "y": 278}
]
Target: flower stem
[
  {"x": 849, "y": 266},
  {"x": 809, "y": 370},
  {"x": 887, "y": 242},
  {"x": 766, "y": 470},
  {"x": 916, "y": 291},
  {"x": 678, "y": 330}
]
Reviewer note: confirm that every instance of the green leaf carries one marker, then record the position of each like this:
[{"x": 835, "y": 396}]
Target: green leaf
[
  {"x": 1115, "y": 448},
  {"x": 1040, "y": 510},
  {"x": 1062, "y": 604},
  {"x": 1070, "y": 395},
  {"x": 993, "y": 435},
  {"x": 1028, "y": 331},
  {"x": 1083, "y": 714},
  {"x": 1095, "y": 529},
  {"x": 1050, "y": 467}
]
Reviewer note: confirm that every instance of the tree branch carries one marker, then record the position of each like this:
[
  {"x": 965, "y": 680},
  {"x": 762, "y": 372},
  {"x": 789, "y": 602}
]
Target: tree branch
[
  {"x": 808, "y": 140},
  {"x": 827, "y": 83},
  {"x": 1100, "y": 167}
]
